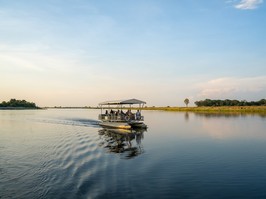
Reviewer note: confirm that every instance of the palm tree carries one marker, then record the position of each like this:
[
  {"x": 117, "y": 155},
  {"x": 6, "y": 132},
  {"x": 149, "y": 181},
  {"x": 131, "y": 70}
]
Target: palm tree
[{"x": 186, "y": 101}]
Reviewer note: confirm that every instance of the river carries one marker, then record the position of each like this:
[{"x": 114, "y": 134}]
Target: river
[{"x": 63, "y": 153}]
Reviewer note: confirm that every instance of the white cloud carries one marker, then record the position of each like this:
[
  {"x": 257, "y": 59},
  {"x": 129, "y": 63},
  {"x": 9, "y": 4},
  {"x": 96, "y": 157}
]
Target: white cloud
[
  {"x": 233, "y": 87},
  {"x": 248, "y": 4}
]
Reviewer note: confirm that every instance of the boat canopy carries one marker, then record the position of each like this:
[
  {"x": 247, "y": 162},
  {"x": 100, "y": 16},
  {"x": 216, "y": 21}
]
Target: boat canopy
[{"x": 117, "y": 102}]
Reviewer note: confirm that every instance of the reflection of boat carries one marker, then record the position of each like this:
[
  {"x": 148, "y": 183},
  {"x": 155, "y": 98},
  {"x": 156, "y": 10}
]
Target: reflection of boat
[
  {"x": 122, "y": 141},
  {"x": 118, "y": 119}
]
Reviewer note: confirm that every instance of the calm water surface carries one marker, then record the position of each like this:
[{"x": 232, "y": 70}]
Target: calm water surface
[{"x": 65, "y": 154}]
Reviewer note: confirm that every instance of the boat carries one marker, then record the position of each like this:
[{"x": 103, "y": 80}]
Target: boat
[{"x": 117, "y": 118}]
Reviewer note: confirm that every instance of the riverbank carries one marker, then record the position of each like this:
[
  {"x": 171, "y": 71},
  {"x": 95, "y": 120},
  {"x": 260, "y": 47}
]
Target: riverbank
[
  {"x": 18, "y": 108},
  {"x": 212, "y": 109},
  {"x": 223, "y": 109}
]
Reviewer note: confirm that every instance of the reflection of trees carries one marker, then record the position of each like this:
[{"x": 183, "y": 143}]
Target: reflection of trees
[
  {"x": 227, "y": 115},
  {"x": 187, "y": 116},
  {"x": 124, "y": 142}
]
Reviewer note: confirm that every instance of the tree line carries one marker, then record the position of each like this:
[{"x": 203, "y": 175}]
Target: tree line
[
  {"x": 18, "y": 103},
  {"x": 227, "y": 102}
]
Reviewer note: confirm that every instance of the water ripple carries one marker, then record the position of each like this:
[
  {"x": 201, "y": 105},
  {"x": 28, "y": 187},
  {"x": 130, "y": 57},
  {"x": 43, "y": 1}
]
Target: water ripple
[{"x": 76, "y": 156}]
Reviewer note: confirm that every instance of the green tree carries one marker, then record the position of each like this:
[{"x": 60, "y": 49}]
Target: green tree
[
  {"x": 186, "y": 101},
  {"x": 227, "y": 102},
  {"x": 18, "y": 103}
]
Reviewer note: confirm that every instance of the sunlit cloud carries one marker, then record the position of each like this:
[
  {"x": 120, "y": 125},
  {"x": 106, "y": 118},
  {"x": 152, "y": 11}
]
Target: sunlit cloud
[
  {"x": 248, "y": 4},
  {"x": 34, "y": 61},
  {"x": 232, "y": 87}
]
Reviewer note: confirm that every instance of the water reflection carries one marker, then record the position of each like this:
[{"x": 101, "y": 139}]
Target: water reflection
[
  {"x": 127, "y": 143},
  {"x": 227, "y": 115},
  {"x": 244, "y": 126},
  {"x": 186, "y": 116}
]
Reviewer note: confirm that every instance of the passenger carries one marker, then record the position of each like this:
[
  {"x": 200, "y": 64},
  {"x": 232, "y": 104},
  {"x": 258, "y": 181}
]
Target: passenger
[
  {"x": 112, "y": 112},
  {"x": 132, "y": 116},
  {"x": 122, "y": 115},
  {"x": 128, "y": 115},
  {"x": 138, "y": 115},
  {"x": 106, "y": 112}
]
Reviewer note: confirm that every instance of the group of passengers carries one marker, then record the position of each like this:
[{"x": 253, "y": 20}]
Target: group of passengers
[{"x": 128, "y": 115}]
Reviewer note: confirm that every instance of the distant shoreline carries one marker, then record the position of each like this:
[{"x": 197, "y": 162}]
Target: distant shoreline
[
  {"x": 18, "y": 108},
  {"x": 222, "y": 109},
  {"x": 216, "y": 109}
]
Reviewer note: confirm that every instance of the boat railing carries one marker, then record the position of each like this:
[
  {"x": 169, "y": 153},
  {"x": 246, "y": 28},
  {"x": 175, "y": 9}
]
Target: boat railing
[{"x": 120, "y": 117}]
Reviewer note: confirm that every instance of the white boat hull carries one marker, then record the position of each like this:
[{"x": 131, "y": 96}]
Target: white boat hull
[{"x": 118, "y": 125}]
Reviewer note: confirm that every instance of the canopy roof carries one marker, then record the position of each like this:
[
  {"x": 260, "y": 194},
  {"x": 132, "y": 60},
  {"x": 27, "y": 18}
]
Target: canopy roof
[{"x": 117, "y": 102}]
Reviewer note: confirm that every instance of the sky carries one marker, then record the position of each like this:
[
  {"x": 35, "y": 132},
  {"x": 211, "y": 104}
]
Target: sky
[{"x": 82, "y": 52}]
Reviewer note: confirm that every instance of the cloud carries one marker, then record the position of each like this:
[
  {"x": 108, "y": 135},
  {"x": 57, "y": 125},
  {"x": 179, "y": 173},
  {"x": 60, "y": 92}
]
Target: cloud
[
  {"x": 248, "y": 4},
  {"x": 249, "y": 88}
]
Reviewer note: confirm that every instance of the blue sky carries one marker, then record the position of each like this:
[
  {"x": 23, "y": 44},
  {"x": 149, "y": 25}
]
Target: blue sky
[{"x": 81, "y": 52}]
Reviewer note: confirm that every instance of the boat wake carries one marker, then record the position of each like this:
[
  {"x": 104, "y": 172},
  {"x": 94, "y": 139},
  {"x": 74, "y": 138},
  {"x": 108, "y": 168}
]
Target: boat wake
[{"x": 71, "y": 121}]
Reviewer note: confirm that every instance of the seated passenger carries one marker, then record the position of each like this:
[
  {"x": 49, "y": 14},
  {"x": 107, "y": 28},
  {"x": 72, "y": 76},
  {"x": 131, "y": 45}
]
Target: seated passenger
[
  {"x": 128, "y": 112},
  {"x": 138, "y": 115}
]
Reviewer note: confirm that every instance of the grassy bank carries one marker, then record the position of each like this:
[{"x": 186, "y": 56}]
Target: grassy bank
[{"x": 223, "y": 109}]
